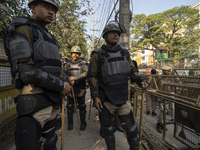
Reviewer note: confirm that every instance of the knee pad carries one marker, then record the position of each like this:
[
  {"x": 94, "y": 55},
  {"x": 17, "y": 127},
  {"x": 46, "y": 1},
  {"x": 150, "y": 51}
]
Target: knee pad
[
  {"x": 133, "y": 131},
  {"x": 70, "y": 106},
  {"x": 108, "y": 130},
  {"x": 82, "y": 106},
  {"x": 28, "y": 134},
  {"x": 51, "y": 143}
]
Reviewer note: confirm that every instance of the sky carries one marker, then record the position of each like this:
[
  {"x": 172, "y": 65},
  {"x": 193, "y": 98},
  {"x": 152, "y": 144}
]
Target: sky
[{"x": 146, "y": 7}]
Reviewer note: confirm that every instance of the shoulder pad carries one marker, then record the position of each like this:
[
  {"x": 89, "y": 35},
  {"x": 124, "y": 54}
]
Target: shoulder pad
[
  {"x": 83, "y": 62},
  {"x": 96, "y": 51},
  {"x": 124, "y": 49},
  {"x": 17, "y": 22},
  {"x": 19, "y": 48}
]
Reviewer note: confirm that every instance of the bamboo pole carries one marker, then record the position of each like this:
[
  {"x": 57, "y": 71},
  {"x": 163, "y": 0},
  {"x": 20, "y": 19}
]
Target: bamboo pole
[
  {"x": 134, "y": 105},
  {"x": 76, "y": 110},
  {"x": 136, "y": 102},
  {"x": 62, "y": 127},
  {"x": 90, "y": 108},
  {"x": 141, "y": 120},
  {"x": 164, "y": 116}
]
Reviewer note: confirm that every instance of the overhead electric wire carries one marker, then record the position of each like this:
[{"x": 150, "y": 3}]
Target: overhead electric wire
[
  {"x": 107, "y": 20},
  {"x": 112, "y": 11}
]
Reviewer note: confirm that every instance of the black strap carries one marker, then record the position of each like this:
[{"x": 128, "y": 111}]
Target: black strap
[
  {"x": 47, "y": 62},
  {"x": 115, "y": 59},
  {"x": 106, "y": 54}
]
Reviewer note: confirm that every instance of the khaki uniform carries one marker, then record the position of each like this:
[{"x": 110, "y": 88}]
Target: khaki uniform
[
  {"x": 170, "y": 104},
  {"x": 150, "y": 99}
]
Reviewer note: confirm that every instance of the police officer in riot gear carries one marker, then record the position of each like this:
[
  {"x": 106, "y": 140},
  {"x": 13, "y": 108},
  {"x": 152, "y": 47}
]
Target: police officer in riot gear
[
  {"x": 76, "y": 69},
  {"x": 110, "y": 69},
  {"x": 36, "y": 67}
]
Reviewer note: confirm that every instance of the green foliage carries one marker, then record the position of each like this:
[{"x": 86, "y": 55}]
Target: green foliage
[
  {"x": 98, "y": 43},
  {"x": 69, "y": 29},
  {"x": 172, "y": 29},
  {"x": 10, "y": 9}
]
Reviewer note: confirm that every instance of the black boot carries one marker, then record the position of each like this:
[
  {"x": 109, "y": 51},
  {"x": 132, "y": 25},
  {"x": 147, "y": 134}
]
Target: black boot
[
  {"x": 110, "y": 142},
  {"x": 82, "y": 108},
  {"x": 133, "y": 142},
  {"x": 148, "y": 112},
  {"x": 101, "y": 133},
  {"x": 154, "y": 114},
  {"x": 83, "y": 122},
  {"x": 159, "y": 127},
  {"x": 162, "y": 127},
  {"x": 70, "y": 116}
]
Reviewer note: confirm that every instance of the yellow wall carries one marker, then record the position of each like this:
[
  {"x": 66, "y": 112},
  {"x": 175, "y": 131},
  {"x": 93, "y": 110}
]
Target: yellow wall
[
  {"x": 138, "y": 59},
  {"x": 150, "y": 60}
]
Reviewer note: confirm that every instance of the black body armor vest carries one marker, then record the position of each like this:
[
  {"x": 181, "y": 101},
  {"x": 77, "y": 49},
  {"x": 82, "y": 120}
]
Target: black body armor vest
[
  {"x": 114, "y": 73},
  {"x": 115, "y": 67},
  {"x": 45, "y": 52},
  {"x": 46, "y": 55}
]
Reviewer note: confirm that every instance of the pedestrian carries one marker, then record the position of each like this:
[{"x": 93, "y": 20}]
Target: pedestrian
[
  {"x": 110, "y": 69},
  {"x": 166, "y": 70},
  {"x": 36, "y": 67},
  {"x": 150, "y": 99},
  {"x": 76, "y": 69}
]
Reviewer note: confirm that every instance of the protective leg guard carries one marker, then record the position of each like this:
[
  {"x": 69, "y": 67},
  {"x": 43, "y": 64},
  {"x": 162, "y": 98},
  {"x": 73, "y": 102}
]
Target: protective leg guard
[
  {"x": 133, "y": 139},
  {"x": 28, "y": 134},
  {"x": 127, "y": 122},
  {"x": 82, "y": 108},
  {"x": 51, "y": 143},
  {"x": 109, "y": 136},
  {"x": 70, "y": 108},
  {"x": 118, "y": 125}
]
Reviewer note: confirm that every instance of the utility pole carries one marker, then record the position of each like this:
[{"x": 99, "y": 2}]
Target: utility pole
[
  {"x": 124, "y": 19},
  {"x": 93, "y": 25},
  {"x": 92, "y": 47}
]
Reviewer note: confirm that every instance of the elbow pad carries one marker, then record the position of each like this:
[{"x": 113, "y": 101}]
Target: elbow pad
[
  {"x": 20, "y": 49},
  {"x": 50, "y": 81},
  {"x": 30, "y": 75}
]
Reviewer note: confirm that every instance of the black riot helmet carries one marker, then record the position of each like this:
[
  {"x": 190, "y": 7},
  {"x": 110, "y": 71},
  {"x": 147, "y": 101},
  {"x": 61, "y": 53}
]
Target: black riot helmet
[{"x": 113, "y": 26}]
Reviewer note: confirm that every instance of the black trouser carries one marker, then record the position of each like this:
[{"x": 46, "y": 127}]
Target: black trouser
[{"x": 80, "y": 105}]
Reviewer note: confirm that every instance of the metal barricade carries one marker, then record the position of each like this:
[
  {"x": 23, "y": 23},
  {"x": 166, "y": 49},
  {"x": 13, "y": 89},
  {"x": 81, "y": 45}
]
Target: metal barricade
[
  {"x": 184, "y": 92},
  {"x": 8, "y": 114}
]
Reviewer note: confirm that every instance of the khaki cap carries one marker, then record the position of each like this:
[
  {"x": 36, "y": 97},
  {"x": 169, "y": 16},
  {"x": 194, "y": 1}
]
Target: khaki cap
[{"x": 166, "y": 68}]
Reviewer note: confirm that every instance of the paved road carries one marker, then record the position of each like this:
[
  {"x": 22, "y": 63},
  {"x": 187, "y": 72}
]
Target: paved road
[{"x": 90, "y": 139}]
